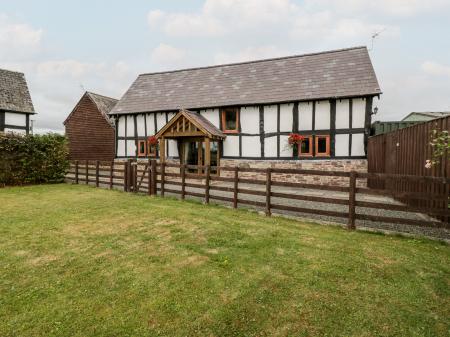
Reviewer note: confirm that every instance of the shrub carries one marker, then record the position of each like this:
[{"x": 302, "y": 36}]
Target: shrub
[{"x": 32, "y": 159}]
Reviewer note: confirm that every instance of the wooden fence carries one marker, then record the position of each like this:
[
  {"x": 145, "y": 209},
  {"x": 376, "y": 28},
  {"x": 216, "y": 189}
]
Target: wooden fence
[
  {"x": 404, "y": 152},
  {"x": 155, "y": 178}
]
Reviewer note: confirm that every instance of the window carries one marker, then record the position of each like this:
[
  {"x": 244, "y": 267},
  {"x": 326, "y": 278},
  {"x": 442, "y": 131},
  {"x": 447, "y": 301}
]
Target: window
[
  {"x": 323, "y": 146},
  {"x": 305, "y": 148},
  {"x": 142, "y": 148},
  {"x": 230, "y": 120},
  {"x": 152, "y": 150}
]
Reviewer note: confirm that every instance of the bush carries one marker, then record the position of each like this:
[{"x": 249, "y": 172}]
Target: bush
[{"x": 32, "y": 159}]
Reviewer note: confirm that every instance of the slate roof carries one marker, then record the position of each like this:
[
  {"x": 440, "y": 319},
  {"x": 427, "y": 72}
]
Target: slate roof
[
  {"x": 331, "y": 74},
  {"x": 14, "y": 94},
  {"x": 104, "y": 105}
]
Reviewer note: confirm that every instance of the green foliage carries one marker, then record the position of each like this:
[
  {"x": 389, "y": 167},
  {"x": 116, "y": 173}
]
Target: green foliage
[
  {"x": 440, "y": 142},
  {"x": 32, "y": 159}
]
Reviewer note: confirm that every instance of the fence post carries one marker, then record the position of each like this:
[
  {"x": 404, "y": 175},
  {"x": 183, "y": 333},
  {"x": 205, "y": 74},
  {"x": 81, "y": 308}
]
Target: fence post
[
  {"x": 87, "y": 172},
  {"x": 150, "y": 176},
  {"x": 163, "y": 177},
  {"x": 207, "y": 181},
  {"x": 129, "y": 176},
  {"x": 96, "y": 173},
  {"x": 351, "y": 201},
  {"x": 111, "y": 173},
  {"x": 183, "y": 181},
  {"x": 135, "y": 174},
  {"x": 235, "y": 191},
  {"x": 125, "y": 176},
  {"x": 268, "y": 190},
  {"x": 76, "y": 171},
  {"x": 154, "y": 177}
]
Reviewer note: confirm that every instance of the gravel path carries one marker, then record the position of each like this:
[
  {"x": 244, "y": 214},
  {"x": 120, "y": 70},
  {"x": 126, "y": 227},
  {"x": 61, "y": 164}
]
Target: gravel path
[{"x": 435, "y": 233}]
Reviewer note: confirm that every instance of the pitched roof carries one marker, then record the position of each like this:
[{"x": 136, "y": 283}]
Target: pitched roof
[
  {"x": 104, "y": 104},
  {"x": 432, "y": 114},
  {"x": 14, "y": 94},
  {"x": 338, "y": 73},
  {"x": 198, "y": 120}
]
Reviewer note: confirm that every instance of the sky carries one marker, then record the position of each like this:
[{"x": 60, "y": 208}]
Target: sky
[{"x": 67, "y": 47}]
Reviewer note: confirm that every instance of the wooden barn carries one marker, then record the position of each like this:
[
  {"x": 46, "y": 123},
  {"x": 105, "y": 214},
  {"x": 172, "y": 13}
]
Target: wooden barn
[
  {"x": 15, "y": 103},
  {"x": 90, "y": 130},
  {"x": 251, "y": 109}
]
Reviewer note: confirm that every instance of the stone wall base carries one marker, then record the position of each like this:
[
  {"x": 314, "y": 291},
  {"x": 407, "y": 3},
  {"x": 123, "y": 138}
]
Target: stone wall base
[{"x": 344, "y": 165}]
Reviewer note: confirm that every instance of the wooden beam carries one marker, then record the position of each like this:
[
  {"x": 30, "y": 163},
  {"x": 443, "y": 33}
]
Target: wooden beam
[
  {"x": 207, "y": 152},
  {"x": 162, "y": 150}
]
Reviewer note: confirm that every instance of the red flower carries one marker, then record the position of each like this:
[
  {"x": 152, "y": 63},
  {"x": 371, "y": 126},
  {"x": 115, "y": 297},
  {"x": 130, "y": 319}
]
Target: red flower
[
  {"x": 295, "y": 138},
  {"x": 152, "y": 140}
]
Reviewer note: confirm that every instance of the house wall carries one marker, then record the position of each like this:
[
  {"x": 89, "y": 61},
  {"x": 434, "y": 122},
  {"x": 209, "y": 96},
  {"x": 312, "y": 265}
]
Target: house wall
[
  {"x": 90, "y": 136},
  {"x": 17, "y": 122},
  {"x": 264, "y": 129}
]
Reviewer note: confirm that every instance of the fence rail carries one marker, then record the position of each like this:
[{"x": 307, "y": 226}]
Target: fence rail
[{"x": 155, "y": 178}]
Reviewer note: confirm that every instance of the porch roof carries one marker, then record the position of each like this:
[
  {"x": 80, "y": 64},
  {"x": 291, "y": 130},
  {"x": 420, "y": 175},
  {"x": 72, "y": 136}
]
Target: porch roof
[{"x": 189, "y": 124}]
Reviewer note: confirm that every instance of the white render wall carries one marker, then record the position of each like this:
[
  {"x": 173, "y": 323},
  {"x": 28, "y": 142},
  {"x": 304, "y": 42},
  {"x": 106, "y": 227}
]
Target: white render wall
[
  {"x": 270, "y": 118},
  {"x": 322, "y": 115},
  {"x": 231, "y": 146},
  {"x": 16, "y": 119},
  {"x": 286, "y": 120},
  {"x": 251, "y": 146},
  {"x": 249, "y": 119},
  {"x": 212, "y": 115},
  {"x": 342, "y": 114},
  {"x": 270, "y": 147},
  {"x": 341, "y": 145},
  {"x": 305, "y": 115},
  {"x": 358, "y": 113}
]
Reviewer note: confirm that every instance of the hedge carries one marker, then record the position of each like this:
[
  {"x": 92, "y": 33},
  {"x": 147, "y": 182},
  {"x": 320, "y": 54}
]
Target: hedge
[{"x": 32, "y": 159}]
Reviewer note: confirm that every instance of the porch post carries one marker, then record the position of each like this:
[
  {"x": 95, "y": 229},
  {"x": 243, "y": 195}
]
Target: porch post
[
  {"x": 207, "y": 151},
  {"x": 162, "y": 150}
]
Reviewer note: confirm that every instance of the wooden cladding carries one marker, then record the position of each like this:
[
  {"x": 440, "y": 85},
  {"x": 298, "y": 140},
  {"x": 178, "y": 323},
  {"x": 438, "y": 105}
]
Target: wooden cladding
[{"x": 230, "y": 120}]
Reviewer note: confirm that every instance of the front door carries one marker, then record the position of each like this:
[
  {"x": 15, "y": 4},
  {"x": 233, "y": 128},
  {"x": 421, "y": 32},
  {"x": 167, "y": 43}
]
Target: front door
[{"x": 193, "y": 153}]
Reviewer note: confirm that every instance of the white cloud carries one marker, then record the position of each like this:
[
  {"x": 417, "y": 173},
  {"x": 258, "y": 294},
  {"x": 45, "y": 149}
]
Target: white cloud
[
  {"x": 17, "y": 40},
  {"x": 402, "y": 8},
  {"x": 435, "y": 69},
  {"x": 249, "y": 53},
  {"x": 166, "y": 55},
  {"x": 275, "y": 19}
]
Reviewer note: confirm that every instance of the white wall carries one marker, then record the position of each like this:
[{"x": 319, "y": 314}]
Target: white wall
[
  {"x": 140, "y": 125},
  {"x": 130, "y": 126},
  {"x": 231, "y": 146},
  {"x": 121, "y": 126},
  {"x": 342, "y": 114},
  {"x": 121, "y": 148},
  {"x": 16, "y": 119},
  {"x": 286, "y": 117},
  {"x": 131, "y": 148},
  {"x": 305, "y": 115},
  {"x": 150, "y": 124},
  {"x": 172, "y": 147},
  {"x": 249, "y": 119},
  {"x": 270, "y": 146},
  {"x": 322, "y": 115},
  {"x": 251, "y": 146},
  {"x": 160, "y": 120},
  {"x": 341, "y": 145},
  {"x": 358, "y": 113},
  {"x": 358, "y": 144},
  {"x": 285, "y": 150},
  {"x": 270, "y": 118},
  {"x": 212, "y": 115}
]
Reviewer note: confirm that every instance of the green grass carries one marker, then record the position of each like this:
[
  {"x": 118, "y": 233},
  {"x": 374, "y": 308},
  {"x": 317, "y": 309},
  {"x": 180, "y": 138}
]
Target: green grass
[{"x": 80, "y": 261}]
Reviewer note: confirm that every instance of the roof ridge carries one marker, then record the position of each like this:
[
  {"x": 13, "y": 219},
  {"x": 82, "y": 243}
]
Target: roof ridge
[
  {"x": 93, "y": 93},
  {"x": 255, "y": 61},
  {"x": 12, "y": 71}
]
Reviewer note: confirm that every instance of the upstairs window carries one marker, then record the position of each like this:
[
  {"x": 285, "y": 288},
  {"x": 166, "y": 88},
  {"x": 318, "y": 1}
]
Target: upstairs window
[
  {"x": 230, "y": 120},
  {"x": 305, "y": 147},
  {"x": 322, "y": 146}
]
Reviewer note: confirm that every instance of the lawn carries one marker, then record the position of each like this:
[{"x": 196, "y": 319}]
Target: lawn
[{"x": 80, "y": 261}]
